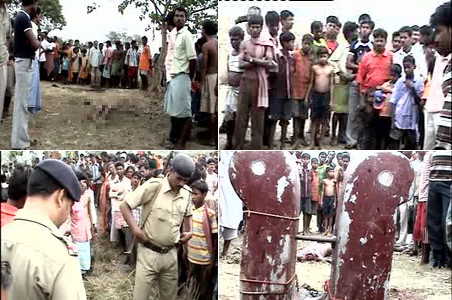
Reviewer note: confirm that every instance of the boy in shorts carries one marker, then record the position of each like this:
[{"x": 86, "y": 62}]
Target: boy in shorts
[
  {"x": 329, "y": 200},
  {"x": 321, "y": 87}
]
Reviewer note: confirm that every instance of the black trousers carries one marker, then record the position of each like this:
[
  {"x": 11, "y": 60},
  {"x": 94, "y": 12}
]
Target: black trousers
[{"x": 438, "y": 204}]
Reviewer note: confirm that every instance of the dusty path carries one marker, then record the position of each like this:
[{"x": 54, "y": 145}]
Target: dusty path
[
  {"x": 69, "y": 119},
  {"x": 408, "y": 279}
]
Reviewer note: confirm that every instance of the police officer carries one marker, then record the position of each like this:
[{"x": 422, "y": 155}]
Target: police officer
[
  {"x": 43, "y": 263},
  {"x": 166, "y": 205}
]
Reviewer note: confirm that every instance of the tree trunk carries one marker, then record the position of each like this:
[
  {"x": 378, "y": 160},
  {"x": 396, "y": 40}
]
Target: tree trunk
[{"x": 157, "y": 77}]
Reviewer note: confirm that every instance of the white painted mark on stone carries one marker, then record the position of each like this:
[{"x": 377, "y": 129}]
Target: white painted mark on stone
[
  {"x": 281, "y": 187},
  {"x": 363, "y": 240},
  {"x": 269, "y": 239},
  {"x": 258, "y": 167},
  {"x": 385, "y": 178},
  {"x": 353, "y": 199}
]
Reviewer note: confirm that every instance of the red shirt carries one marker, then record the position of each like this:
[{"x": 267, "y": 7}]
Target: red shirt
[
  {"x": 8, "y": 212},
  {"x": 332, "y": 45},
  {"x": 374, "y": 69}
]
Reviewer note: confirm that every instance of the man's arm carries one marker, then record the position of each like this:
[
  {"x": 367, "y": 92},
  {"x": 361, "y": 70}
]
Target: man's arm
[
  {"x": 322, "y": 191},
  {"x": 204, "y": 61},
  {"x": 350, "y": 64},
  {"x": 128, "y": 217},
  {"x": 331, "y": 90},
  {"x": 311, "y": 83},
  {"x": 34, "y": 43}
]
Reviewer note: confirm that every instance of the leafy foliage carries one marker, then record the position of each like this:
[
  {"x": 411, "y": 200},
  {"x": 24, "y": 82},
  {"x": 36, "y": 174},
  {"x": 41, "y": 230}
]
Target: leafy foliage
[{"x": 52, "y": 13}]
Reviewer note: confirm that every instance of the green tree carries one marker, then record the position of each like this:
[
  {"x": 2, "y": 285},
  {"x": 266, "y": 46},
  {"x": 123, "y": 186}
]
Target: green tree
[
  {"x": 52, "y": 13},
  {"x": 119, "y": 36},
  {"x": 155, "y": 11}
]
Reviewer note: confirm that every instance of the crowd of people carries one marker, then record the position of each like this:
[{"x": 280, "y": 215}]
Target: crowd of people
[
  {"x": 189, "y": 73},
  {"x": 367, "y": 88},
  {"x": 423, "y": 221},
  {"x": 141, "y": 201}
]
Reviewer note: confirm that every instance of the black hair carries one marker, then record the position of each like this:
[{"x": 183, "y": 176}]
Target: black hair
[
  {"x": 237, "y": 31},
  {"x": 255, "y": 20},
  {"x": 133, "y": 158},
  {"x": 119, "y": 164},
  {"x": 286, "y": 37},
  {"x": 307, "y": 37},
  {"x": 108, "y": 43},
  {"x": 442, "y": 15},
  {"x": 426, "y": 30},
  {"x": 210, "y": 160},
  {"x": 210, "y": 27},
  {"x": 349, "y": 28},
  {"x": 84, "y": 50},
  {"x": 285, "y": 14},
  {"x": 329, "y": 168},
  {"x": 101, "y": 44},
  {"x": 364, "y": 17},
  {"x": 314, "y": 159},
  {"x": 409, "y": 59},
  {"x": 334, "y": 20},
  {"x": 368, "y": 21},
  {"x": 415, "y": 28},
  {"x": 40, "y": 183},
  {"x": 18, "y": 182},
  {"x": 81, "y": 175},
  {"x": 38, "y": 10},
  {"x": 316, "y": 25},
  {"x": 322, "y": 50},
  {"x": 381, "y": 33},
  {"x": 201, "y": 186},
  {"x": 397, "y": 69},
  {"x": 76, "y": 41},
  {"x": 180, "y": 8},
  {"x": 345, "y": 155},
  {"x": 272, "y": 18},
  {"x": 323, "y": 152},
  {"x": 90, "y": 43},
  {"x": 395, "y": 34},
  {"x": 137, "y": 174},
  {"x": 28, "y": 2},
  {"x": 6, "y": 275},
  {"x": 158, "y": 172},
  {"x": 144, "y": 37},
  {"x": 130, "y": 167},
  {"x": 406, "y": 29},
  {"x": 170, "y": 19}
]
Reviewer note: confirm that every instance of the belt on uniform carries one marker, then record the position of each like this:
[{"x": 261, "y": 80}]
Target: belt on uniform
[{"x": 157, "y": 248}]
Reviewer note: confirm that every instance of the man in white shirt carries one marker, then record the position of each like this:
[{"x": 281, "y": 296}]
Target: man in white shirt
[
  {"x": 93, "y": 62},
  {"x": 406, "y": 34},
  {"x": 211, "y": 177}
]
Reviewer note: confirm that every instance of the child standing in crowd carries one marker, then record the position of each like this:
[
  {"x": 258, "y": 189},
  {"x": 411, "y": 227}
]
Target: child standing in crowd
[
  {"x": 145, "y": 63},
  {"x": 236, "y": 36},
  {"x": 321, "y": 87},
  {"x": 329, "y": 200},
  {"x": 405, "y": 100},
  {"x": 281, "y": 106},
  {"x": 83, "y": 68},
  {"x": 76, "y": 58},
  {"x": 318, "y": 40},
  {"x": 65, "y": 68},
  {"x": 373, "y": 71},
  {"x": 301, "y": 78},
  {"x": 202, "y": 247},
  {"x": 381, "y": 105},
  {"x": 257, "y": 56}
]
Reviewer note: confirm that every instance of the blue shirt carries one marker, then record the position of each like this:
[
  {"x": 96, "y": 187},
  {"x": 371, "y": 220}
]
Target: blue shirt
[
  {"x": 65, "y": 64},
  {"x": 406, "y": 109}
]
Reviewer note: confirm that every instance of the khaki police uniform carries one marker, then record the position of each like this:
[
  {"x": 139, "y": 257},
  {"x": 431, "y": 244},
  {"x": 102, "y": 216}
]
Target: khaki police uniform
[
  {"x": 43, "y": 264},
  {"x": 156, "y": 273}
]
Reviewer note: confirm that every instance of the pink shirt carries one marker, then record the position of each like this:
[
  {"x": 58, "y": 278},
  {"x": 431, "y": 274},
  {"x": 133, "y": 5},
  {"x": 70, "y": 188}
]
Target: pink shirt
[
  {"x": 108, "y": 55},
  {"x": 436, "y": 98},
  {"x": 80, "y": 223},
  {"x": 170, "y": 53}
]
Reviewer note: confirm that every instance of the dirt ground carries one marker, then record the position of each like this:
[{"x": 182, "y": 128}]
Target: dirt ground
[
  {"x": 408, "y": 280},
  {"x": 69, "y": 119},
  {"x": 111, "y": 278}
]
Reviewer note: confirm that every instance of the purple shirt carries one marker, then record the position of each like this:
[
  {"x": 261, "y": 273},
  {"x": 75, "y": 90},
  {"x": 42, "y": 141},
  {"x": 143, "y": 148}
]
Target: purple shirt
[{"x": 406, "y": 110}]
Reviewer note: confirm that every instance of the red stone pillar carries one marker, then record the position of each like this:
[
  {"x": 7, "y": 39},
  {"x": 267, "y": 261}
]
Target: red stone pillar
[
  {"x": 268, "y": 183},
  {"x": 374, "y": 184}
]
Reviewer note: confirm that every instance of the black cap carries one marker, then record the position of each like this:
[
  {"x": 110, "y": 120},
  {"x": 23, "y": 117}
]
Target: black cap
[{"x": 63, "y": 174}]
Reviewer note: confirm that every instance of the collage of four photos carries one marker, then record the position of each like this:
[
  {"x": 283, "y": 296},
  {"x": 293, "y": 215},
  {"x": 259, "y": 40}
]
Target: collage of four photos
[{"x": 202, "y": 150}]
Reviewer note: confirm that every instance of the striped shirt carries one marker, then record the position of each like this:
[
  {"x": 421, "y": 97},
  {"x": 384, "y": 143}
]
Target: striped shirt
[
  {"x": 424, "y": 175},
  {"x": 444, "y": 134},
  {"x": 198, "y": 251},
  {"x": 441, "y": 166}
]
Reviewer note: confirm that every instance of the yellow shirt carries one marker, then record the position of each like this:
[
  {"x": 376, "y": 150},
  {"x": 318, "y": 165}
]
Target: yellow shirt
[
  {"x": 184, "y": 51},
  {"x": 166, "y": 215},
  {"x": 43, "y": 266},
  {"x": 198, "y": 251}
]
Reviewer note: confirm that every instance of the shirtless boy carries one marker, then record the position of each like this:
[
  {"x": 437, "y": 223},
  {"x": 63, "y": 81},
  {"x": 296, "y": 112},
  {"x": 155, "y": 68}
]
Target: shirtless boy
[
  {"x": 329, "y": 200},
  {"x": 209, "y": 78},
  {"x": 322, "y": 90}
]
